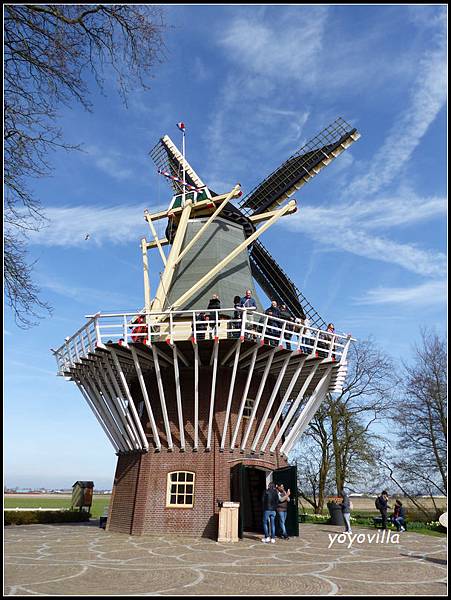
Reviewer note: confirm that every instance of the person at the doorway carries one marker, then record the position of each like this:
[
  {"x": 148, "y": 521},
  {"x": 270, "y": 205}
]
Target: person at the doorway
[
  {"x": 282, "y": 508},
  {"x": 270, "y": 502}
]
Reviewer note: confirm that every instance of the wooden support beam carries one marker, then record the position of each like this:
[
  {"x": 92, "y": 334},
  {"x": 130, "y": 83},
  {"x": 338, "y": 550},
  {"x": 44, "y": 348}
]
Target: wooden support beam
[
  {"x": 132, "y": 433},
  {"x": 113, "y": 409},
  {"x": 308, "y": 411},
  {"x": 271, "y": 402},
  {"x": 257, "y": 398},
  {"x": 213, "y": 390},
  {"x": 145, "y": 394},
  {"x": 96, "y": 414},
  {"x": 178, "y": 396},
  {"x": 166, "y": 278},
  {"x": 196, "y": 396},
  {"x": 155, "y": 236},
  {"x": 162, "y": 398},
  {"x": 230, "y": 398},
  {"x": 282, "y": 404},
  {"x": 244, "y": 397},
  {"x": 121, "y": 400},
  {"x": 223, "y": 263},
  {"x": 294, "y": 406},
  {"x": 146, "y": 275},
  {"x": 131, "y": 403},
  {"x": 95, "y": 396},
  {"x": 268, "y": 214},
  {"x": 205, "y": 226},
  {"x": 162, "y": 241}
]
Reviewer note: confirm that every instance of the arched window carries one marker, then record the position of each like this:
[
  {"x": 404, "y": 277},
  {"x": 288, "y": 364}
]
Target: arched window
[{"x": 180, "y": 490}]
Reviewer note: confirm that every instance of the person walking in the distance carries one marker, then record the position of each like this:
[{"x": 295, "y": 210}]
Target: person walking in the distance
[
  {"x": 270, "y": 502},
  {"x": 346, "y": 506}
]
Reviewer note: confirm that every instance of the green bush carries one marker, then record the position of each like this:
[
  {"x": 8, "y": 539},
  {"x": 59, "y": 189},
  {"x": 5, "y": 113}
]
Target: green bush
[{"x": 28, "y": 517}]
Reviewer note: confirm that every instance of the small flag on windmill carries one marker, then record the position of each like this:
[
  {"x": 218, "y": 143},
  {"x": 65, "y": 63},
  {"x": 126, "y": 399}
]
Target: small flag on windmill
[{"x": 181, "y": 126}]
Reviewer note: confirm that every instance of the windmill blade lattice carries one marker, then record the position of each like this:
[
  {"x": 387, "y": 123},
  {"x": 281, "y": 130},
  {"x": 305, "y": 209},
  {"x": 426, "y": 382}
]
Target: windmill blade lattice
[
  {"x": 276, "y": 284},
  {"x": 167, "y": 157},
  {"x": 300, "y": 167}
]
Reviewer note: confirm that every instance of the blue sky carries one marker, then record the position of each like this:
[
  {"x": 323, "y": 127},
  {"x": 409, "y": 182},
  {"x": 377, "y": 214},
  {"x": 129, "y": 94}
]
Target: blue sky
[{"x": 252, "y": 83}]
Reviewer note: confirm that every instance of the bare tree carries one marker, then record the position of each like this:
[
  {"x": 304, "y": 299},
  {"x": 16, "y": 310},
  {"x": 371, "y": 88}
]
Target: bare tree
[
  {"x": 365, "y": 399},
  {"x": 340, "y": 442},
  {"x": 50, "y": 50},
  {"x": 421, "y": 414},
  {"x": 313, "y": 460}
]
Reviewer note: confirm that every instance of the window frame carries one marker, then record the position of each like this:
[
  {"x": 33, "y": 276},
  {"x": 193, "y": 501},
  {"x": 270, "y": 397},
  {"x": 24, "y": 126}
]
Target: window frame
[
  {"x": 169, "y": 493},
  {"x": 249, "y": 408}
]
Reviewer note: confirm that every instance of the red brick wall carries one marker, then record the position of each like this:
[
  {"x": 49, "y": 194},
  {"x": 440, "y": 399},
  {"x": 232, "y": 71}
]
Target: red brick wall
[{"x": 138, "y": 504}]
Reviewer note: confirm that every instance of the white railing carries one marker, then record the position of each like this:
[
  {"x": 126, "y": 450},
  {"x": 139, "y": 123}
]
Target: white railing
[{"x": 173, "y": 326}]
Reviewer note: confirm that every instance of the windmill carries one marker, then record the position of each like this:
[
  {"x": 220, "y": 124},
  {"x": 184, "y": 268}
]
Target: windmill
[
  {"x": 206, "y": 403},
  {"x": 257, "y": 205}
]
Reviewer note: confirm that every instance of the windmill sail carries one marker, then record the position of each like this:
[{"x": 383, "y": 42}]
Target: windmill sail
[
  {"x": 167, "y": 157},
  {"x": 277, "y": 285},
  {"x": 300, "y": 168}
]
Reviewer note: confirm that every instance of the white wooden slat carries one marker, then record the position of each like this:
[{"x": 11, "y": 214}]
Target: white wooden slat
[
  {"x": 258, "y": 397},
  {"x": 294, "y": 407},
  {"x": 145, "y": 394},
  {"x": 271, "y": 402},
  {"x": 162, "y": 398},
  {"x": 96, "y": 414},
  {"x": 131, "y": 403},
  {"x": 282, "y": 404}
]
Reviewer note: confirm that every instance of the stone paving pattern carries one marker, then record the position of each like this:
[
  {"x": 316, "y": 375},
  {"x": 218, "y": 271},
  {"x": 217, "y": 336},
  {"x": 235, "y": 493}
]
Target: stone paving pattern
[{"x": 82, "y": 559}]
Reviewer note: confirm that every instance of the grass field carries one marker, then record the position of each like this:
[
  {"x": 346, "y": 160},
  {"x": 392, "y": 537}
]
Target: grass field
[{"x": 99, "y": 503}]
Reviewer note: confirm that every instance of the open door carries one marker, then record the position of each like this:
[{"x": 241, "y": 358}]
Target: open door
[
  {"x": 288, "y": 476},
  {"x": 237, "y": 492}
]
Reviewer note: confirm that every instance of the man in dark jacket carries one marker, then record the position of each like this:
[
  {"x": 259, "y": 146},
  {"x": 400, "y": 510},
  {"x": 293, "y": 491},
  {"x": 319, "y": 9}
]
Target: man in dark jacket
[
  {"x": 382, "y": 505},
  {"x": 270, "y": 502}
]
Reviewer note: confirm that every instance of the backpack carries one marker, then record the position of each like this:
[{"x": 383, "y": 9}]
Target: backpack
[{"x": 378, "y": 503}]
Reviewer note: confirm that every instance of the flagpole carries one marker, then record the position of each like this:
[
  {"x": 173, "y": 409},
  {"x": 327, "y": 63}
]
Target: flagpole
[{"x": 183, "y": 153}]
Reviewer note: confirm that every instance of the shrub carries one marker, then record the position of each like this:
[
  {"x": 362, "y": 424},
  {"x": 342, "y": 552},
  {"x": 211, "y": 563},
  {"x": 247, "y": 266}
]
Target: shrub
[{"x": 29, "y": 517}]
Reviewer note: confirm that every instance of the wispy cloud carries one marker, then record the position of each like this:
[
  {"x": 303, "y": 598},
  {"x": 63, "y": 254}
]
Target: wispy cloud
[
  {"x": 110, "y": 162},
  {"x": 80, "y": 294},
  {"x": 68, "y": 226},
  {"x": 428, "y": 96},
  {"x": 425, "y": 294},
  {"x": 280, "y": 47}
]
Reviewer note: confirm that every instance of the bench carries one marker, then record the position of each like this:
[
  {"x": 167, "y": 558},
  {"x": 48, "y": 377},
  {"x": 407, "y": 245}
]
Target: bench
[{"x": 377, "y": 522}]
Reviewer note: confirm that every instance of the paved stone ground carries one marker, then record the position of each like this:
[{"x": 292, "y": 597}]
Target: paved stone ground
[{"x": 82, "y": 559}]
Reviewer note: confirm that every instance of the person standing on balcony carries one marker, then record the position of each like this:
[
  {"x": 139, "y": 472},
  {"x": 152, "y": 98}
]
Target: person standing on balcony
[
  {"x": 287, "y": 316},
  {"x": 249, "y": 304},
  {"x": 214, "y": 304}
]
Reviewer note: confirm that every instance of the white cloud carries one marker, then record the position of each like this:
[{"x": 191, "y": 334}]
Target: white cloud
[
  {"x": 428, "y": 97},
  {"x": 279, "y": 48},
  {"x": 110, "y": 162},
  {"x": 115, "y": 225},
  {"x": 425, "y": 294}
]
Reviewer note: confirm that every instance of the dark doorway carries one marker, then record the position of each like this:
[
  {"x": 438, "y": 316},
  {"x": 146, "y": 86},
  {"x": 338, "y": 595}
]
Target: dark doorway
[
  {"x": 247, "y": 485},
  {"x": 254, "y": 486}
]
